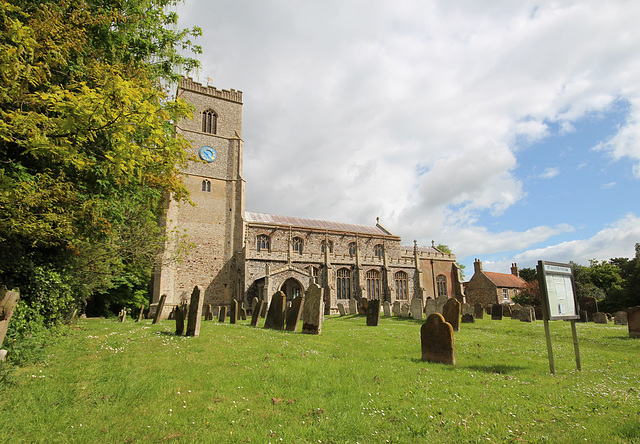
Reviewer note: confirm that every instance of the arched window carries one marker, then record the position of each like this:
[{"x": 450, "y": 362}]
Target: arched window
[
  {"x": 378, "y": 251},
  {"x": 297, "y": 245},
  {"x": 343, "y": 283},
  {"x": 209, "y": 121},
  {"x": 441, "y": 283},
  {"x": 401, "y": 285},
  {"x": 373, "y": 284},
  {"x": 263, "y": 242},
  {"x": 352, "y": 249},
  {"x": 323, "y": 246},
  {"x": 206, "y": 185}
]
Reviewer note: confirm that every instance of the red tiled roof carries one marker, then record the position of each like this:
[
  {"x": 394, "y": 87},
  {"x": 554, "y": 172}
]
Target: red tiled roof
[
  {"x": 506, "y": 280},
  {"x": 264, "y": 218}
]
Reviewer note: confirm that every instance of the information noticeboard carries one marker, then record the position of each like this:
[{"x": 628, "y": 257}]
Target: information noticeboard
[{"x": 558, "y": 290}]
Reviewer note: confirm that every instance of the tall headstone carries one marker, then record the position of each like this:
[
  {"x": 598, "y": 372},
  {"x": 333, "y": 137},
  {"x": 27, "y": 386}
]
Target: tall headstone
[
  {"x": 515, "y": 311},
  {"x": 233, "y": 318},
  {"x": 255, "y": 315},
  {"x": 633, "y": 321},
  {"x": 436, "y": 337},
  {"x": 243, "y": 313},
  {"x": 440, "y": 303},
  {"x": 478, "y": 312},
  {"x": 353, "y": 306},
  {"x": 313, "y": 310},
  {"x": 222, "y": 313},
  {"x": 179, "y": 315},
  {"x": 526, "y": 314},
  {"x": 496, "y": 312},
  {"x": 342, "y": 310},
  {"x": 8, "y": 301},
  {"x": 451, "y": 313},
  {"x": 405, "y": 310},
  {"x": 294, "y": 314},
  {"x": 430, "y": 307},
  {"x": 373, "y": 313},
  {"x": 141, "y": 313},
  {"x": 386, "y": 307},
  {"x": 416, "y": 308},
  {"x": 159, "y": 308},
  {"x": 590, "y": 305},
  {"x": 275, "y": 315},
  {"x": 195, "y": 312},
  {"x": 620, "y": 318},
  {"x": 600, "y": 318},
  {"x": 395, "y": 309}
]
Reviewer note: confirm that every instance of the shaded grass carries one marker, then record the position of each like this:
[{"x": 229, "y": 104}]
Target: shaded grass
[{"x": 137, "y": 382}]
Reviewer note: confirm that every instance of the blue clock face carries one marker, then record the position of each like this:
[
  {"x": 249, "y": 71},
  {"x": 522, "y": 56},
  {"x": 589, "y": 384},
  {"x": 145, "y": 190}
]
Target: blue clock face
[{"x": 208, "y": 154}]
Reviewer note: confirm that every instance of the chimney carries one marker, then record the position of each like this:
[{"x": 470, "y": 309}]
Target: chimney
[
  {"x": 514, "y": 270},
  {"x": 477, "y": 266}
]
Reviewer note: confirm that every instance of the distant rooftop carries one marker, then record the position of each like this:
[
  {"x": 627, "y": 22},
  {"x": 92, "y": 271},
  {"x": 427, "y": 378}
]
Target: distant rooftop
[
  {"x": 264, "y": 218},
  {"x": 506, "y": 280}
]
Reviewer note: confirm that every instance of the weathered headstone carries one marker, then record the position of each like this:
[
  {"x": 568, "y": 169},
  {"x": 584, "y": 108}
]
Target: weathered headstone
[
  {"x": 275, "y": 315},
  {"x": 537, "y": 310},
  {"x": 159, "y": 308},
  {"x": 141, "y": 313},
  {"x": 265, "y": 308},
  {"x": 313, "y": 310},
  {"x": 255, "y": 316},
  {"x": 600, "y": 318},
  {"x": 478, "y": 312},
  {"x": 373, "y": 313},
  {"x": 405, "y": 310},
  {"x": 496, "y": 312},
  {"x": 468, "y": 318},
  {"x": 430, "y": 307},
  {"x": 195, "y": 312},
  {"x": 363, "y": 304},
  {"x": 8, "y": 301},
  {"x": 620, "y": 318},
  {"x": 254, "y": 304},
  {"x": 416, "y": 308},
  {"x": 341, "y": 309},
  {"x": 386, "y": 307},
  {"x": 489, "y": 309},
  {"x": 633, "y": 321},
  {"x": 506, "y": 311},
  {"x": 451, "y": 313},
  {"x": 123, "y": 315},
  {"x": 222, "y": 313},
  {"x": 440, "y": 303},
  {"x": 353, "y": 306},
  {"x": 243, "y": 313},
  {"x": 180, "y": 314},
  {"x": 584, "y": 316},
  {"x": 294, "y": 314},
  {"x": 526, "y": 314},
  {"x": 436, "y": 337},
  {"x": 395, "y": 309},
  {"x": 467, "y": 309},
  {"x": 590, "y": 305},
  {"x": 233, "y": 318}
]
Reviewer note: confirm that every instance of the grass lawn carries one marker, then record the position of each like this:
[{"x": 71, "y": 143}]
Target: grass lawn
[{"x": 136, "y": 382}]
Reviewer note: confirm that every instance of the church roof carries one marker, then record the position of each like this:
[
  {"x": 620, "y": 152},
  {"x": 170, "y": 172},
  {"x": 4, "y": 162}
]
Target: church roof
[
  {"x": 264, "y": 218},
  {"x": 505, "y": 280}
]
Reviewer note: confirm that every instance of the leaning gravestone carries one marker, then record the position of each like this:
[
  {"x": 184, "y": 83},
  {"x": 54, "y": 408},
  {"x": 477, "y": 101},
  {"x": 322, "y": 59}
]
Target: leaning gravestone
[
  {"x": 600, "y": 318},
  {"x": 386, "y": 307},
  {"x": 620, "y": 318},
  {"x": 141, "y": 313},
  {"x": 159, "y": 309},
  {"x": 275, "y": 315},
  {"x": 180, "y": 314},
  {"x": 404, "y": 310},
  {"x": 294, "y": 314},
  {"x": 123, "y": 315},
  {"x": 341, "y": 309},
  {"x": 8, "y": 301},
  {"x": 255, "y": 316},
  {"x": 506, "y": 311},
  {"x": 234, "y": 312},
  {"x": 195, "y": 312},
  {"x": 451, "y": 313},
  {"x": 526, "y": 314},
  {"x": 222, "y": 313},
  {"x": 313, "y": 311},
  {"x": 468, "y": 318},
  {"x": 243, "y": 313},
  {"x": 478, "y": 312},
  {"x": 440, "y": 303},
  {"x": 373, "y": 313},
  {"x": 590, "y": 305},
  {"x": 416, "y": 308},
  {"x": 436, "y": 337},
  {"x": 496, "y": 312},
  {"x": 633, "y": 321},
  {"x": 353, "y": 306},
  {"x": 430, "y": 307},
  {"x": 395, "y": 309}
]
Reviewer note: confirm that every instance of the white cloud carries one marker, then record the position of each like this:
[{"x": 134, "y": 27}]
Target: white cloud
[{"x": 550, "y": 173}]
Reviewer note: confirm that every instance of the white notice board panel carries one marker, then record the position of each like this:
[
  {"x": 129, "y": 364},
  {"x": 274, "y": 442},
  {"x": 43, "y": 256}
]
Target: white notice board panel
[{"x": 559, "y": 290}]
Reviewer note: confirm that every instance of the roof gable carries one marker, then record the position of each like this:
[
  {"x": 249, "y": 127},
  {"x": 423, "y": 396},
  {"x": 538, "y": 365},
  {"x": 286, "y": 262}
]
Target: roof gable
[{"x": 505, "y": 280}]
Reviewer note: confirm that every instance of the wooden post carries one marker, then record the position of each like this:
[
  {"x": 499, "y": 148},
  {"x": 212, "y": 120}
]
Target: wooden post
[{"x": 576, "y": 349}]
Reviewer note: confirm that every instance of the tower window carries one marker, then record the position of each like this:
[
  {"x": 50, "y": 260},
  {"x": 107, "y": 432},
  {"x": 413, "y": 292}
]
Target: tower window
[
  {"x": 297, "y": 245},
  {"x": 401, "y": 285},
  {"x": 352, "y": 249},
  {"x": 378, "y": 251},
  {"x": 263, "y": 242},
  {"x": 441, "y": 283},
  {"x": 206, "y": 185},
  {"x": 209, "y": 122}
]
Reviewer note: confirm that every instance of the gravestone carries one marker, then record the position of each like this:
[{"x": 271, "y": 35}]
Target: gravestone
[
  {"x": 416, "y": 308},
  {"x": 363, "y": 304},
  {"x": 526, "y": 314},
  {"x": 255, "y": 316},
  {"x": 451, "y": 313},
  {"x": 373, "y": 313},
  {"x": 430, "y": 306},
  {"x": 467, "y": 309},
  {"x": 313, "y": 311},
  {"x": 341, "y": 309},
  {"x": 141, "y": 313},
  {"x": 590, "y": 305},
  {"x": 537, "y": 310},
  {"x": 496, "y": 312},
  {"x": 488, "y": 309},
  {"x": 179, "y": 315},
  {"x": 405, "y": 310},
  {"x": 207, "y": 311},
  {"x": 216, "y": 312},
  {"x": 600, "y": 318},
  {"x": 123, "y": 315},
  {"x": 440, "y": 303},
  {"x": 395, "y": 308},
  {"x": 195, "y": 312},
  {"x": 294, "y": 314},
  {"x": 515, "y": 311},
  {"x": 8, "y": 301},
  {"x": 243, "y": 313},
  {"x": 584, "y": 316},
  {"x": 353, "y": 306},
  {"x": 633, "y": 321},
  {"x": 386, "y": 307},
  {"x": 506, "y": 311},
  {"x": 222, "y": 313},
  {"x": 159, "y": 309},
  {"x": 254, "y": 304},
  {"x": 233, "y": 317},
  {"x": 275, "y": 315},
  {"x": 620, "y": 318},
  {"x": 478, "y": 312},
  {"x": 468, "y": 318},
  {"x": 436, "y": 337}
]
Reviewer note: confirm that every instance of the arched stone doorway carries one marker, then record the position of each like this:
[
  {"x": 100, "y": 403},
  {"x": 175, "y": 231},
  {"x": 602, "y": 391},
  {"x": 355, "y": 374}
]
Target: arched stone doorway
[{"x": 292, "y": 288}]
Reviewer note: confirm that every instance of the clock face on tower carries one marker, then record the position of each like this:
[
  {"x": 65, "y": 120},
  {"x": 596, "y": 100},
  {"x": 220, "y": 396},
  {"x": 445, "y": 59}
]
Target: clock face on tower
[{"x": 208, "y": 154}]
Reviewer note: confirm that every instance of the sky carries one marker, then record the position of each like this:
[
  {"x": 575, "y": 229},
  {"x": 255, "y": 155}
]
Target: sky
[{"x": 507, "y": 130}]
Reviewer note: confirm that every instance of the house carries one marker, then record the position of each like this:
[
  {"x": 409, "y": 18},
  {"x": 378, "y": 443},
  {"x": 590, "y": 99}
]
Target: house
[{"x": 489, "y": 288}]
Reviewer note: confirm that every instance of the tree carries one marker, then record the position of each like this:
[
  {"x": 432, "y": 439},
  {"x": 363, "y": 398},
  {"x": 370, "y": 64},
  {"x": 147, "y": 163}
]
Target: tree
[
  {"x": 530, "y": 295},
  {"x": 529, "y": 274},
  {"x": 445, "y": 249}
]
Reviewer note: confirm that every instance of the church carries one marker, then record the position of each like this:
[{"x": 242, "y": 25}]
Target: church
[{"x": 239, "y": 254}]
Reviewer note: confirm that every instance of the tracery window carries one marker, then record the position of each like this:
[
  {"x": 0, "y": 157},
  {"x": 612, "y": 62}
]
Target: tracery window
[
  {"x": 263, "y": 242},
  {"x": 352, "y": 249},
  {"x": 441, "y": 284},
  {"x": 401, "y": 285},
  {"x": 373, "y": 284},
  {"x": 297, "y": 245},
  {"x": 343, "y": 282},
  {"x": 209, "y": 122},
  {"x": 206, "y": 185},
  {"x": 323, "y": 246},
  {"x": 378, "y": 251}
]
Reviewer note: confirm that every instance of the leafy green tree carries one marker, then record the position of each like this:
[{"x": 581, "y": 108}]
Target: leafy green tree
[
  {"x": 530, "y": 295},
  {"x": 445, "y": 249},
  {"x": 529, "y": 274}
]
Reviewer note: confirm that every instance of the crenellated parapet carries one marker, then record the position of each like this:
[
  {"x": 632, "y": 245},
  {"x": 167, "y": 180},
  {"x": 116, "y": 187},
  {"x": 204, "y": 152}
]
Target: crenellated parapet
[{"x": 231, "y": 95}]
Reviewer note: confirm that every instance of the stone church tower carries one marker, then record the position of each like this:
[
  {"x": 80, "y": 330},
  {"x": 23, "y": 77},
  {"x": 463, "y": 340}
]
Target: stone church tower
[{"x": 216, "y": 223}]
